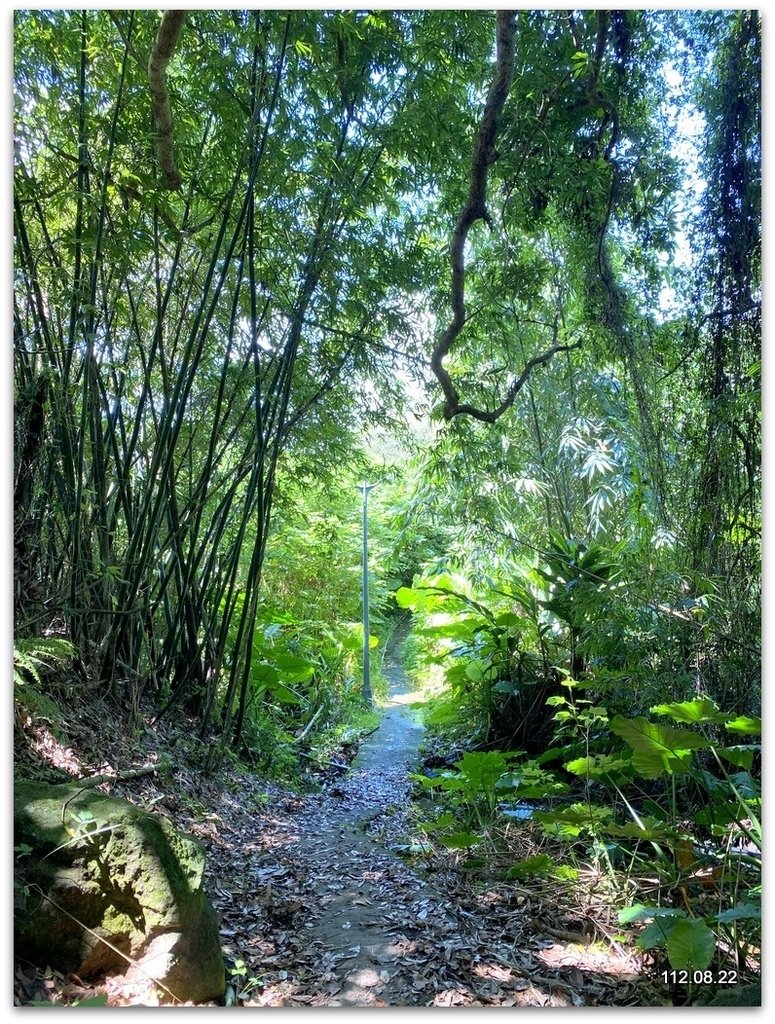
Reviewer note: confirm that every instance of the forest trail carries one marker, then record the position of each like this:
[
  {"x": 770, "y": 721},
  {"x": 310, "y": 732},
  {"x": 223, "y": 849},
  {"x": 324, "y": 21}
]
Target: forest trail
[
  {"x": 337, "y": 898},
  {"x": 369, "y": 901},
  {"x": 357, "y": 933},
  {"x": 385, "y": 757},
  {"x": 333, "y": 899}
]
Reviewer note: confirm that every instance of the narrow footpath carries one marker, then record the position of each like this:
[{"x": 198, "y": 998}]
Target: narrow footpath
[
  {"x": 332, "y": 899},
  {"x": 368, "y": 909},
  {"x": 372, "y": 899}
]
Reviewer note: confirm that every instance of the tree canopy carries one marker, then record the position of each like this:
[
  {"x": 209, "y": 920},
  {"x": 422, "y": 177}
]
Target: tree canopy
[{"x": 232, "y": 229}]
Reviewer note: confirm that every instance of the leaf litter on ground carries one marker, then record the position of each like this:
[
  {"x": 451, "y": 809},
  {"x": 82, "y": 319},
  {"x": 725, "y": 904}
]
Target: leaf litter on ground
[{"x": 317, "y": 908}]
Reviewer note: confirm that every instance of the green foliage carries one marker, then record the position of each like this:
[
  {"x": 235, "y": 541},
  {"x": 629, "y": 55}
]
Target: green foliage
[
  {"x": 727, "y": 802},
  {"x": 304, "y": 680},
  {"x": 745, "y": 724},
  {"x": 472, "y": 787},
  {"x": 271, "y": 749},
  {"x": 689, "y": 942},
  {"x": 31, "y": 656},
  {"x": 529, "y": 781},
  {"x": 491, "y": 677},
  {"x": 657, "y": 748},
  {"x": 242, "y": 980},
  {"x": 693, "y": 712},
  {"x": 576, "y": 574},
  {"x": 574, "y": 820},
  {"x": 459, "y": 840},
  {"x": 539, "y": 866},
  {"x": 654, "y": 835}
]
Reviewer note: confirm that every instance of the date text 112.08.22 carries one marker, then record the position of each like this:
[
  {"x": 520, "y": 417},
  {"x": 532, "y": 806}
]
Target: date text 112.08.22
[{"x": 699, "y": 977}]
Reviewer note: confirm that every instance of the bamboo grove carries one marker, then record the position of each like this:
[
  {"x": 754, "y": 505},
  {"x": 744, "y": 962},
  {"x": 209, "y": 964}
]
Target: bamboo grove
[{"x": 237, "y": 236}]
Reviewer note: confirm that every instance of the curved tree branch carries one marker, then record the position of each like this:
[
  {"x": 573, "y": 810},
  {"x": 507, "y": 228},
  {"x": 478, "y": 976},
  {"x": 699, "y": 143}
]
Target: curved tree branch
[
  {"x": 491, "y": 415},
  {"x": 161, "y": 54},
  {"x": 475, "y": 209}
]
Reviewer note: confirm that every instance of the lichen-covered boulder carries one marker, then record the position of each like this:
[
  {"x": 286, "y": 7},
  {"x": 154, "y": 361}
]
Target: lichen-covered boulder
[{"x": 92, "y": 867}]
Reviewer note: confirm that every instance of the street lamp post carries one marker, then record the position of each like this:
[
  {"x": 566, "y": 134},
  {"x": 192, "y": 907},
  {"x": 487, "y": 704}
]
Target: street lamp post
[{"x": 364, "y": 488}]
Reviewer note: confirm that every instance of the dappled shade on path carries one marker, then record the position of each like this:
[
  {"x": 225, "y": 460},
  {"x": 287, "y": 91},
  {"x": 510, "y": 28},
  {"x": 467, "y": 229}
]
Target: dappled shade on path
[{"x": 344, "y": 920}]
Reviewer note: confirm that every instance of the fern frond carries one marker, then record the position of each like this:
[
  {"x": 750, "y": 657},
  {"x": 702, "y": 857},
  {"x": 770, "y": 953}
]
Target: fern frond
[{"x": 33, "y": 654}]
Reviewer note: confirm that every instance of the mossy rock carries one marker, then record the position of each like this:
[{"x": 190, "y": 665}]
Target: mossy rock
[{"x": 92, "y": 867}]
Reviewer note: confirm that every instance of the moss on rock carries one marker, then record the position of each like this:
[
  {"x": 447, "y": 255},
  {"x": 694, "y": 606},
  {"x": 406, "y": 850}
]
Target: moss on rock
[{"x": 100, "y": 868}]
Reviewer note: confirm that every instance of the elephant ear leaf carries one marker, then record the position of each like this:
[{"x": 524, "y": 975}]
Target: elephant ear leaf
[
  {"x": 691, "y": 711},
  {"x": 657, "y": 748},
  {"x": 690, "y": 945}
]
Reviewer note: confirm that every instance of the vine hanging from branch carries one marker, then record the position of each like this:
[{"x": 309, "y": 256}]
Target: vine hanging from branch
[
  {"x": 485, "y": 154},
  {"x": 161, "y": 54}
]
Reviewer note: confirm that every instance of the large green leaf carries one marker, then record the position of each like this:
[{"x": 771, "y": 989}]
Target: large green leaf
[
  {"x": 718, "y": 815},
  {"x": 742, "y": 912},
  {"x": 746, "y": 785},
  {"x": 744, "y": 724},
  {"x": 538, "y": 866},
  {"x": 573, "y": 820},
  {"x": 740, "y": 755},
  {"x": 691, "y": 711},
  {"x": 262, "y": 673},
  {"x": 598, "y": 766},
  {"x": 352, "y": 642},
  {"x": 657, "y": 934},
  {"x": 459, "y": 629},
  {"x": 658, "y": 748},
  {"x": 509, "y": 620},
  {"x": 475, "y": 670},
  {"x": 407, "y": 597},
  {"x": 641, "y": 912},
  {"x": 445, "y": 819},
  {"x": 482, "y": 769},
  {"x": 293, "y": 668},
  {"x": 447, "y": 780},
  {"x": 284, "y": 694},
  {"x": 531, "y": 783},
  {"x": 651, "y": 829},
  {"x": 651, "y": 766},
  {"x": 690, "y": 945}
]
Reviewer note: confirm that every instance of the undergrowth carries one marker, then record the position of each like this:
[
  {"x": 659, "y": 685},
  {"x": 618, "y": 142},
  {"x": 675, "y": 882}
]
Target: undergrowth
[{"x": 529, "y": 725}]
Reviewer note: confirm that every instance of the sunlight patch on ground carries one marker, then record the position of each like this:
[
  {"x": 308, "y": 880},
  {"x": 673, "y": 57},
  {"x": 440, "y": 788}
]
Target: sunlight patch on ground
[
  {"x": 408, "y": 699},
  {"x": 590, "y": 958},
  {"x": 48, "y": 748}
]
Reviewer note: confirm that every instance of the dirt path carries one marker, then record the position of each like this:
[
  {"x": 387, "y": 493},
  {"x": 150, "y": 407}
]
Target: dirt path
[
  {"x": 331, "y": 900},
  {"x": 371, "y": 897},
  {"x": 384, "y": 759}
]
